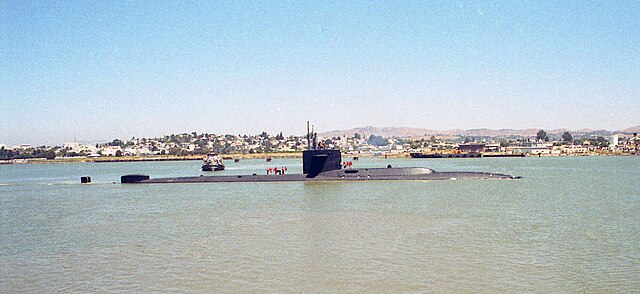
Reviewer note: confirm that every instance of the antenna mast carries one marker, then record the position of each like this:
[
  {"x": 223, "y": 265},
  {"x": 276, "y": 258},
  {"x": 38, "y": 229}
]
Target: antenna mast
[{"x": 308, "y": 138}]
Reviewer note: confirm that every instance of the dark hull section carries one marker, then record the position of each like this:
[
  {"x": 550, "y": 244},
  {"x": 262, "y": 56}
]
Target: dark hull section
[
  {"x": 504, "y": 155},
  {"x": 441, "y": 155},
  {"x": 208, "y": 167},
  {"x": 369, "y": 174}
]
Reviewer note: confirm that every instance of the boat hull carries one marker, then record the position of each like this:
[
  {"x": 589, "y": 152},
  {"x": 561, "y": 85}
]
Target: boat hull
[
  {"x": 208, "y": 167},
  {"x": 504, "y": 155}
]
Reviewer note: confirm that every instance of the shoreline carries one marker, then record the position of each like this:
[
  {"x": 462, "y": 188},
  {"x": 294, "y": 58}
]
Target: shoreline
[{"x": 234, "y": 156}]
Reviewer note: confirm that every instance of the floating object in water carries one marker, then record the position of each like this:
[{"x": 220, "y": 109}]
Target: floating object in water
[{"x": 212, "y": 162}]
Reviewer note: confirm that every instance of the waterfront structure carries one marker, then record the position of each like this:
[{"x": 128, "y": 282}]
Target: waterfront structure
[
  {"x": 471, "y": 148},
  {"x": 531, "y": 148}
]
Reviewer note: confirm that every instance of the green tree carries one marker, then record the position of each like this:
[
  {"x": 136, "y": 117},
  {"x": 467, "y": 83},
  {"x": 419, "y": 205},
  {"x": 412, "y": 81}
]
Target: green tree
[
  {"x": 377, "y": 140},
  {"x": 602, "y": 142},
  {"x": 116, "y": 142},
  {"x": 566, "y": 136},
  {"x": 542, "y": 135}
]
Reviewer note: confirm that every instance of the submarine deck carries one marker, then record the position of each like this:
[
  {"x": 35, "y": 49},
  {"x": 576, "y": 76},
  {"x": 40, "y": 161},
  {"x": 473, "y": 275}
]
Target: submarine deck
[{"x": 366, "y": 174}]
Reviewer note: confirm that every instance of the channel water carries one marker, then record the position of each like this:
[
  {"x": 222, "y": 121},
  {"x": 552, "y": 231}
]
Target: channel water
[{"x": 571, "y": 224}]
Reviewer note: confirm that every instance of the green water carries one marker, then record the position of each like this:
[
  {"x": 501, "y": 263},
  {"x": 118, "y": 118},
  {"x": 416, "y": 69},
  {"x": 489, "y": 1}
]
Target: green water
[{"x": 569, "y": 225}]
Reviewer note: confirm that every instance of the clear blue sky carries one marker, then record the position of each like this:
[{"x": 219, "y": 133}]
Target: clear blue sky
[{"x": 101, "y": 70}]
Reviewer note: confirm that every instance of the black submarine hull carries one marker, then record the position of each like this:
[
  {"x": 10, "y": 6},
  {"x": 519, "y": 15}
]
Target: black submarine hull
[
  {"x": 324, "y": 165},
  {"x": 367, "y": 174}
]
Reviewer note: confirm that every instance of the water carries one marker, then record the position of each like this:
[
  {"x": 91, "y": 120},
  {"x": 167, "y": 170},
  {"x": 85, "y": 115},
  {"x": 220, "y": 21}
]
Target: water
[{"x": 570, "y": 225}]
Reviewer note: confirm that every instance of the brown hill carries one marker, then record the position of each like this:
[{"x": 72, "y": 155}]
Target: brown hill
[
  {"x": 401, "y": 132},
  {"x": 635, "y": 129}
]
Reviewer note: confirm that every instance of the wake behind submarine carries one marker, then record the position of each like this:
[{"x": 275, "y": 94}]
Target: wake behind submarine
[{"x": 320, "y": 165}]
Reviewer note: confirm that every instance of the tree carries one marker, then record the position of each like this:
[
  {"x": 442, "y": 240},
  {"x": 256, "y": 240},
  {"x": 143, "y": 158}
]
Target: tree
[
  {"x": 357, "y": 136},
  {"x": 602, "y": 142},
  {"x": 542, "y": 135},
  {"x": 118, "y": 153},
  {"x": 377, "y": 140},
  {"x": 566, "y": 136},
  {"x": 50, "y": 154},
  {"x": 116, "y": 142}
]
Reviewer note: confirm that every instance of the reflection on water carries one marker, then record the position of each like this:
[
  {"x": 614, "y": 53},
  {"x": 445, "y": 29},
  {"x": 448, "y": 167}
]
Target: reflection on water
[{"x": 570, "y": 225}]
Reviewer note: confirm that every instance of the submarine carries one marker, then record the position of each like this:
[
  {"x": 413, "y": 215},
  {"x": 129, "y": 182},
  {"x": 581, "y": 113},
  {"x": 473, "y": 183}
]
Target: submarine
[{"x": 323, "y": 165}]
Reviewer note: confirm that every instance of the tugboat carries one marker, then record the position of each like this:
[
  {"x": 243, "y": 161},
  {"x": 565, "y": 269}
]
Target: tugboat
[{"x": 212, "y": 162}]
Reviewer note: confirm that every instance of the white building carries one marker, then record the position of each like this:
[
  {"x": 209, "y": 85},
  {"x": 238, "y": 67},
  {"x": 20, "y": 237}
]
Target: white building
[
  {"x": 110, "y": 150},
  {"x": 73, "y": 146},
  {"x": 614, "y": 142},
  {"x": 575, "y": 150}
]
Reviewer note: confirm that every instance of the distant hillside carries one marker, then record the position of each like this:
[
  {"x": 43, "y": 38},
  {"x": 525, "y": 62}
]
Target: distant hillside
[
  {"x": 421, "y": 132},
  {"x": 635, "y": 129},
  {"x": 385, "y": 132}
]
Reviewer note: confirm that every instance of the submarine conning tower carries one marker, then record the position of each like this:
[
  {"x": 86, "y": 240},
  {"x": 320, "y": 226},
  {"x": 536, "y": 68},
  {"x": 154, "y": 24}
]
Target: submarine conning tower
[
  {"x": 317, "y": 159},
  {"x": 320, "y": 160}
]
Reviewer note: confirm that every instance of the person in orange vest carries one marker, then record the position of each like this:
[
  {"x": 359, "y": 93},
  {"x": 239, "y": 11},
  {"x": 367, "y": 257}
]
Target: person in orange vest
[{"x": 268, "y": 171}]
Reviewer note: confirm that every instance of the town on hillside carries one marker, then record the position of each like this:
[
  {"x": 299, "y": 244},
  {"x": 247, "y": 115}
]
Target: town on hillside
[{"x": 194, "y": 145}]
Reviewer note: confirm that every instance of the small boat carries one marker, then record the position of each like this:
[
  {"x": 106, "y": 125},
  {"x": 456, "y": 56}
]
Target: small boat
[
  {"x": 212, "y": 162},
  {"x": 236, "y": 160},
  {"x": 268, "y": 159}
]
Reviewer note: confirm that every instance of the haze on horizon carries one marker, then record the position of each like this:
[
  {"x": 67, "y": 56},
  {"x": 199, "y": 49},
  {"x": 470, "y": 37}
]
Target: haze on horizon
[{"x": 100, "y": 70}]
